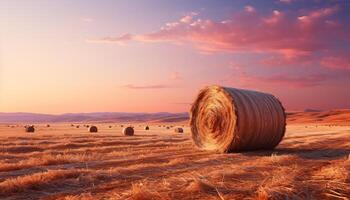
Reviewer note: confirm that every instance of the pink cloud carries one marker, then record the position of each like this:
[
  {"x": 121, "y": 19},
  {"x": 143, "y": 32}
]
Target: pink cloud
[
  {"x": 290, "y": 37},
  {"x": 87, "y": 19},
  {"x": 337, "y": 62},
  {"x": 175, "y": 76},
  {"x": 288, "y": 34},
  {"x": 286, "y": 1},
  {"x": 119, "y": 40},
  {"x": 141, "y": 87},
  {"x": 317, "y": 14},
  {"x": 249, "y": 8},
  {"x": 282, "y": 80}
]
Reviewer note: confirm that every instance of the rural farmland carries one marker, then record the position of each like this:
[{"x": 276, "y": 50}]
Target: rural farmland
[{"x": 64, "y": 162}]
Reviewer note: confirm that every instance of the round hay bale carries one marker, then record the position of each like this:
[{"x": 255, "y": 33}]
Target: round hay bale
[
  {"x": 87, "y": 126},
  {"x": 72, "y": 125},
  {"x": 232, "y": 120},
  {"x": 167, "y": 127},
  {"x": 77, "y": 126},
  {"x": 110, "y": 126},
  {"x": 147, "y": 128},
  {"x": 121, "y": 125},
  {"x": 179, "y": 130},
  {"x": 93, "y": 129},
  {"x": 128, "y": 131},
  {"x": 47, "y": 125},
  {"x": 29, "y": 128}
]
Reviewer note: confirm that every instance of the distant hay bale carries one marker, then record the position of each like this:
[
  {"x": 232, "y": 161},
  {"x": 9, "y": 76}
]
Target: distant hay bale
[
  {"x": 128, "y": 131},
  {"x": 122, "y": 125},
  {"x": 87, "y": 126},
  {"x": 93, "y": 129},
  {"x": 47, "y": 125},
  {"x": 77, "y": 126},
  {"x": 167, "y": 127},
  {"x": 179, "y": 130},
  {"x": 147, "y": 128},
  {"x": 29, "y": 128},
  {"x": 110, "y": 126},
  {"x": 72, "y": 125},
  {"x": 233, "y": 120}
]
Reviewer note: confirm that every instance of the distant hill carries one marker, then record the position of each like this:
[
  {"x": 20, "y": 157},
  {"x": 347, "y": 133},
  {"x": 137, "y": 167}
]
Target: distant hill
[
  {"x": 330, "y": 117},
  {"x": 307, "y": 116},
  {"x": 93, "y": 117}
]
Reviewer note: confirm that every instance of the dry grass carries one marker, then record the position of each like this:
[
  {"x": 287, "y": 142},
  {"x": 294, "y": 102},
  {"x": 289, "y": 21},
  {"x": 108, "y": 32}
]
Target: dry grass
[
  {"x": 62, "y": 162},
  {"x": 48, "y": 159},
  {"x": 36, "y": 180}
]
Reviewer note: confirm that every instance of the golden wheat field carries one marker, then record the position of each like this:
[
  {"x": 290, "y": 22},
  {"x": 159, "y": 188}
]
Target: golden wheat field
[{"x": 65, "y": 162}]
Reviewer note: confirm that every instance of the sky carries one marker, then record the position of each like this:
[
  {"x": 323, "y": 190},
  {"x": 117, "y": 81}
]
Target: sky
[{"x": 155, "y": 55}]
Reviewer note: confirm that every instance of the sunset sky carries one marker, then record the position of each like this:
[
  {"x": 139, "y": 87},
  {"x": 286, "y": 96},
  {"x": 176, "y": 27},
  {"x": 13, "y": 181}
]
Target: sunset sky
[{"x": 154, "y": 55}]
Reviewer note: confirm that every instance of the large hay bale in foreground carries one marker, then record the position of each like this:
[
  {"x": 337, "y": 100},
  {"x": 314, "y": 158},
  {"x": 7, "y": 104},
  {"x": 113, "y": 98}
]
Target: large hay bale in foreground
[
  {"x": 232, "y": 120},
  {"x": 179, "y": 130},
  {"x": 93, "y": 129},
  {"x": 128, "y": 131},
  {"x": 29, "y": 129}
]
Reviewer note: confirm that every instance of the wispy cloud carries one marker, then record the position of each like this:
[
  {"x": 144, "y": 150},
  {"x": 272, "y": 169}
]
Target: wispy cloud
[
  {"x": 291, "y": 36},
  {"x": 145, "y": 87},
  {"x": 87, "y": 19},
  {"x": 284, "y": 80},
  {"x": 119, "y": 40},
  {"x": 176, "y": 76},
  {"x": 286, "y": 1},
  {"x": 182, "y": 103},
  {"x": 249, "y": 8},
  {"x": 337, "y": 62}
]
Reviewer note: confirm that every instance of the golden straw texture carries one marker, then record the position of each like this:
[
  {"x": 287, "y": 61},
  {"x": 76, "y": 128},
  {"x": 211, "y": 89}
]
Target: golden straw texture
[
  {"x": 93, "y": 129},
  {"x": 233, "y": 120},
  {"x": 30, "y": 129},
  {"x": 179, "y": 130},
  {"x": 128, "y": 131}
]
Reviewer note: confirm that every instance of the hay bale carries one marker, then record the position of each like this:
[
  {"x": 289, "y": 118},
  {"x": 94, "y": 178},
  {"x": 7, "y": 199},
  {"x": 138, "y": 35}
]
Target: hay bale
[
  {"x": 29, "y": 128},
  {"x": 179, "y": 130},
  {"x": 110, "y": 126},
  {"x": 77, "y": 126},
  {"x": 147, "y": 128},
  {"x": 93, "y": 129},
  {"x": 121, "y": 125},
  {"x": 47, "y": 125},
  {"x": 128, "y": 131},
  {"x": 233, "y": 120},
  {"x": 167, "y": 127}
]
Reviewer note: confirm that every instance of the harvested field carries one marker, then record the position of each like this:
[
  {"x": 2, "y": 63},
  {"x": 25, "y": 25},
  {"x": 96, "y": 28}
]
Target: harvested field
[{"x": 63, "y": 162}]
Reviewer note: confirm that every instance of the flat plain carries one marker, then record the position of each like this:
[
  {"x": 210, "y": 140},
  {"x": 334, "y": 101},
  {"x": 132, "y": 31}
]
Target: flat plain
[{"x": 65, "y": 162}]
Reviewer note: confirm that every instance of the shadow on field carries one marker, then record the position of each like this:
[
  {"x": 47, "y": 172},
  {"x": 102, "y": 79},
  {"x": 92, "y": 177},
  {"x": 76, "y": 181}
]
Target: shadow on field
[{"x": 329, "y": 149}]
